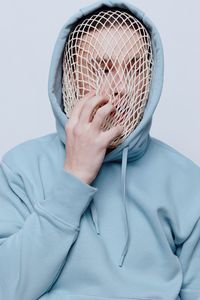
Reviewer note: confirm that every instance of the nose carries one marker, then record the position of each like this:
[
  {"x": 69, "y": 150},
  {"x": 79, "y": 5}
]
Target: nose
[
  {"x": 119, "y": 85},
  {"x": 119, "y": 90}
]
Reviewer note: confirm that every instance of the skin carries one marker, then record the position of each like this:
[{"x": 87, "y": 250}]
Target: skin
[
  {"x": 86, "y": 143},
  {"x": 86, "y": 140}
]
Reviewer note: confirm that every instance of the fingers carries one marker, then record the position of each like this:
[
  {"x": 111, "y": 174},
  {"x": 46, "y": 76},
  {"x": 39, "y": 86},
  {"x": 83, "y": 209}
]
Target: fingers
[
  {"x": 112, "y": 133},
  {"x": 101, "y": 114},
  {"x": 89, "y": 106},
  {"x": 75, "y": 114},
  {"x": 82, "y": 112}
]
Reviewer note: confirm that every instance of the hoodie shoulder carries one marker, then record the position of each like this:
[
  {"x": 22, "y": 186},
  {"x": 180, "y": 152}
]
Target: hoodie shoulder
[
  {"x": 174, "y": 156},
  {"x": 28, "y": 150},
  {"x": 180, "y": 177}
]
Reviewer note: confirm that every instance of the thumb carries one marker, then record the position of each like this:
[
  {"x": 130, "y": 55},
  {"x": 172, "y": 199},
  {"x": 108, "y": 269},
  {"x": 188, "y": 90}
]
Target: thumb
[{"x": 113, "y": 132}]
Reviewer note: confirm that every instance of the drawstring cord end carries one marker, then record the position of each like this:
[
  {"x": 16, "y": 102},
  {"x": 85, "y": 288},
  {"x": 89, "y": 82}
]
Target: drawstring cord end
[
  {"x": 94, "y": 217},
  {"x": 121, "y": 261}
]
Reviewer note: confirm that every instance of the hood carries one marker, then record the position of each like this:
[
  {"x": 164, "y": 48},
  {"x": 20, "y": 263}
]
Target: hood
[{"x": 135, "y": 145}]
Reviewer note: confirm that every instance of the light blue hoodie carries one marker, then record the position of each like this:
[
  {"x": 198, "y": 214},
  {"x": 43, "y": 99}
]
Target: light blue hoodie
[{"x": 134, "y": 233}]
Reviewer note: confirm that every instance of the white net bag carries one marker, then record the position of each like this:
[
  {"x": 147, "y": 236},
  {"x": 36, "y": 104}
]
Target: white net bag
[{"x": 109, "y": 52}]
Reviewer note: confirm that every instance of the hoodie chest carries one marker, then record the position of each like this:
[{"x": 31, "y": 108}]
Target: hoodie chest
[{"x": 95, "y": 256}]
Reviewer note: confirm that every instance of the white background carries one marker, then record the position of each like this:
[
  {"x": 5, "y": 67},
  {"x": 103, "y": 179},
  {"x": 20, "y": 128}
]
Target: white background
[{"x": 28, "y": 31}]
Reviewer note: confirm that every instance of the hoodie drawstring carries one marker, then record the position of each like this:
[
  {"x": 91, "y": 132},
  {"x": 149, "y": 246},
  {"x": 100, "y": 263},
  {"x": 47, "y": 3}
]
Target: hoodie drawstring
[
  {"x": 123, "y": 184},
  {"x": 94, "y": 214}
]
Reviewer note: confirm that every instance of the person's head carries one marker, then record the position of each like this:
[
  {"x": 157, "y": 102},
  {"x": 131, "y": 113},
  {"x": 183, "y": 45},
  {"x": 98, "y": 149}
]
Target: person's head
[{"x": 110, "y": 52}]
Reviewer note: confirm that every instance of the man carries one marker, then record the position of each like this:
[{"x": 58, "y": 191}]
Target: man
[{"x": 100, "y": 209}]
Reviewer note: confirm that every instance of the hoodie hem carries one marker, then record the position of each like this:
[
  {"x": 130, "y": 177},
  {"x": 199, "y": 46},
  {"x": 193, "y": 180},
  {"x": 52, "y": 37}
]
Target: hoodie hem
[{"x": 94, "y": 297}]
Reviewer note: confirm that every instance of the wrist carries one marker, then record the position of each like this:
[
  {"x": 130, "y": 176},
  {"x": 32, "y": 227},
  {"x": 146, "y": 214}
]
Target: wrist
[{"x": 77, "y": 174}]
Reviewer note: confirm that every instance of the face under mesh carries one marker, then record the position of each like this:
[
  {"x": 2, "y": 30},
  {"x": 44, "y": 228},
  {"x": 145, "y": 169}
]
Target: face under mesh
[{"x": 109, "y": 52}]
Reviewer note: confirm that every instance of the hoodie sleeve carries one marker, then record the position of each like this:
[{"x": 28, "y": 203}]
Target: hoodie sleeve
[
  {"x": 34, "y": 245},
  {"x": 189, "y": 256}
]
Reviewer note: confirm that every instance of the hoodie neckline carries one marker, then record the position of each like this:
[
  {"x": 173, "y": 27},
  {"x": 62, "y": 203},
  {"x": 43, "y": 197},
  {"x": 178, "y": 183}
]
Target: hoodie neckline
[{"x": 135, "y": 145}]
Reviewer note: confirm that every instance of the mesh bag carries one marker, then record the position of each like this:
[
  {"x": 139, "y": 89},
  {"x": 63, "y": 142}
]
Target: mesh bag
[{"x": 109, "y": 52}]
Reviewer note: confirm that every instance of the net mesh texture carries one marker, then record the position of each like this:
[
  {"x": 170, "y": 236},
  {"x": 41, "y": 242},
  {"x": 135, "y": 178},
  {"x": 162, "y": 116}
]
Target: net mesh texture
[{"x": 109, "y": 52}]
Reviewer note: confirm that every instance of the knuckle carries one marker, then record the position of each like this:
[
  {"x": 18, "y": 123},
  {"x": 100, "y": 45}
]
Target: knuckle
[
  {"x": 101, "y": 97},
  {"x": 102, "y": 111},
  {"x": 98, "y": 98},
  {"x": 90, "y": 105}
]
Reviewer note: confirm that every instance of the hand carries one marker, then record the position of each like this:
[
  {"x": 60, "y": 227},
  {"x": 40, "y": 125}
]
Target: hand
[{"x": 86, "y": 142}]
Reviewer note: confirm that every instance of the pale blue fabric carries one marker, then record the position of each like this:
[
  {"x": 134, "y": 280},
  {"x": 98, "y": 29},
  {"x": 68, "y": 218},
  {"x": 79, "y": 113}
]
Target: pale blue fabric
[{"x": 133, "y": 233}]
